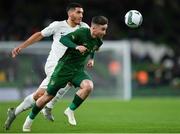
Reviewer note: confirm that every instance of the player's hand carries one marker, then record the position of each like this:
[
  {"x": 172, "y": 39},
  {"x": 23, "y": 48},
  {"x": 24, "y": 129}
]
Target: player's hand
[
  {"x": 81, "y": 49},
  {"x": 90, "y": 63},
  {"x": 16, "y": 51}
]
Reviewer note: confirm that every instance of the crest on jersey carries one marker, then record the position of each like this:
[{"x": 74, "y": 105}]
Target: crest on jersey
[
  {"x": 52, "y": 82},
  {"x": 73, "y": 37}
]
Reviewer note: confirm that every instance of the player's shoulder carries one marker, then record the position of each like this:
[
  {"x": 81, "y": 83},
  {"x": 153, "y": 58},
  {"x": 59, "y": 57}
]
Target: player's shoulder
[
  {"x": 83, "y": 30},
  {"x": 83, "y": 24},
  {"x": 57, "y": 23}
]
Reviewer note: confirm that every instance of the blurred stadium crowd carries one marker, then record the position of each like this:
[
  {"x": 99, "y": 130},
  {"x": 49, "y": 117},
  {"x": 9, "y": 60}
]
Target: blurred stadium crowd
[{"x": 21, "y": 18}]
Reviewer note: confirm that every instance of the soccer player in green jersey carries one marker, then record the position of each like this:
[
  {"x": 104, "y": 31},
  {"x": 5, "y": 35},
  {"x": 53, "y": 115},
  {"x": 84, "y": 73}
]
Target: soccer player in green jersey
[{"x": 70, "y": 68}]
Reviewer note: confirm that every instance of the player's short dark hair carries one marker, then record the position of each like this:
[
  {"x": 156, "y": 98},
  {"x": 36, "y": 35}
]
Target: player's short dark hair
[
  {"x": 73, "y": 6},
  {"x": 100, "y": 20}
]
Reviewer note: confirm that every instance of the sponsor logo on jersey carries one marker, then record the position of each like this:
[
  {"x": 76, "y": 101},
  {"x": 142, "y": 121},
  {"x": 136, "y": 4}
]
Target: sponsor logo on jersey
[{"x": 62, "y": 33}]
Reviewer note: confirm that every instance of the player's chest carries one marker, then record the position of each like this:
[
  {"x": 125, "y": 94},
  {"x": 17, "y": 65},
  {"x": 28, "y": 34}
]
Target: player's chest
[
  {"x": 63, "y": 31},
  {"x": 90, "y": 44}
]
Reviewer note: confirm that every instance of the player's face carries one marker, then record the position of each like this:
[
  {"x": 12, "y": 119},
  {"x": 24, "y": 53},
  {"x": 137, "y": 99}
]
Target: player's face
[
  {"x": 100, "y": 30},
  {"x": 76, "y": 15}
]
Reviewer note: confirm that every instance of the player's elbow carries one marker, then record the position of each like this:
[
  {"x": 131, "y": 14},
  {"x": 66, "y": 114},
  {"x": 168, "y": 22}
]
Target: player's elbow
[{"x": 38, "y": 36}]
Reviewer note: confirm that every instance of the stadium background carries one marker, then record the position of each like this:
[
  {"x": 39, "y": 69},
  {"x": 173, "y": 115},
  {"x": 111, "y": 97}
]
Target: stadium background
[{"x": 155, "y": 58}]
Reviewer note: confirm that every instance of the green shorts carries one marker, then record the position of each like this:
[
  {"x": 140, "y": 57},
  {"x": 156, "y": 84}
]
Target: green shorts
[{"x": 63, "y": 74}]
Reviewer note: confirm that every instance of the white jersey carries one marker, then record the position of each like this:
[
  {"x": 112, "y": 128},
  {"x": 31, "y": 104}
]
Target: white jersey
[{"x": 58, "y": 29}]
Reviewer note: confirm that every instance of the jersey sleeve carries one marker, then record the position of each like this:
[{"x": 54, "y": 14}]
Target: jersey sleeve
[
  {"x": 49, "y": 30},
  {"x": 92, "y": 54},
  {"x": 70, "y": 39},
  {"x": 99, "y": 44}
]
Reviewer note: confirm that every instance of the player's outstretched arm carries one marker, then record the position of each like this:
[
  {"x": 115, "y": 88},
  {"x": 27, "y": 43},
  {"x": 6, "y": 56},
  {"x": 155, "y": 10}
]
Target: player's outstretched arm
[{"x": 34, "y": 38}]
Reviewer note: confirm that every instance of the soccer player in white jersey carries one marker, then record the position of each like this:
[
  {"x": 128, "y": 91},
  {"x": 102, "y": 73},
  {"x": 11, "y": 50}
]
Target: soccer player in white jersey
[{"x": 56, "y": 29}]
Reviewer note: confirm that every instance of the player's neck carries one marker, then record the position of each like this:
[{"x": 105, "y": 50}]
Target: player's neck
[{"x": 71, "y": 23}]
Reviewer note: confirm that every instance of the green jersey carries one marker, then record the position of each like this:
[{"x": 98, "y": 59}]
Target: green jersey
[
  {"x": 70, "y": 67},
  {"x": 83, "y": 37}
]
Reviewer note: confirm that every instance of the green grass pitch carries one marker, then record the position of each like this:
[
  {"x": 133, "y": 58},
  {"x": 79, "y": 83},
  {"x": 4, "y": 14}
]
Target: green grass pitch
[{"x": 106, "y": 116}]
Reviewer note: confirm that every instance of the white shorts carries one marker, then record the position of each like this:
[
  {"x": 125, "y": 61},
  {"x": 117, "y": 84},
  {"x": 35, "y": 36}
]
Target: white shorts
[{"x": 49, "y": 68}]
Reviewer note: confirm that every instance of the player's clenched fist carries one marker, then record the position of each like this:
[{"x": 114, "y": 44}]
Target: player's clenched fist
[
  {"x": 82, "y": 49},
  {"x": 16, "y": 51}
]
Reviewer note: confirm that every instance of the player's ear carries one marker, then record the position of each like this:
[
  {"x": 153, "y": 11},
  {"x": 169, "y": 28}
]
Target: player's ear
[{"x": 70, "y": 13}]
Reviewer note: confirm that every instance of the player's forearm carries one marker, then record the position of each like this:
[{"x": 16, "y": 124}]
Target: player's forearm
[
  {"x": 34, "y": 38},
  {"x": 67, "y": 42}
]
